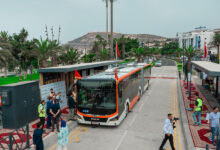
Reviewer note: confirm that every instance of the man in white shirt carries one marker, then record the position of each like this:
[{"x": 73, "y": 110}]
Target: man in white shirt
[{"x": 168, "y": 130}]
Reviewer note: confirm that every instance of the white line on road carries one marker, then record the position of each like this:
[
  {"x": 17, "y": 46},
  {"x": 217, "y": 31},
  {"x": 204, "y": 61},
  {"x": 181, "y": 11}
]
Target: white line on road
[
  {"x": 132, "y": 121},
  {"x": 121, "y": 140}
]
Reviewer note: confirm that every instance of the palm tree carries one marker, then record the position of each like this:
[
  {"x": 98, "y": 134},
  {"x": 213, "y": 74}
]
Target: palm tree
[
  {"x": 87, "y": 58},
  {"x": 45, "y": 50},
  {"x": 5, "y": 51},
  {"x": 123, "y": 41},
  {"x": 190, "y": 53},
  {"x": 178, "y": 52},
  {"x": 104, "y": 54},
  {"x": 70, "y": 57},
  {"x": 216, "y": 43},
  {"x": 138, "y": 53}
]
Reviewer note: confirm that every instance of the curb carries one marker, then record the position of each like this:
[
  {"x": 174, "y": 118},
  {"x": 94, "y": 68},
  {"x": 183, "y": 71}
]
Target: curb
[{"x": 189, "y": 145}]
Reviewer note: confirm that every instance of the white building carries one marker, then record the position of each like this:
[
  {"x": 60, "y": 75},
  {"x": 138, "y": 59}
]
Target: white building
[{"x": 197, "y": 39}]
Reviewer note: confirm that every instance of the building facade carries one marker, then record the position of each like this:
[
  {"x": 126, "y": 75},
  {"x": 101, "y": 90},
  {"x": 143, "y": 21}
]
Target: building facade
[{"x": 198, "y": 39}]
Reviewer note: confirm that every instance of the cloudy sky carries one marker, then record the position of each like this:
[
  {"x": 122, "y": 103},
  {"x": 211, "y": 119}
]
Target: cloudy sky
[{"x": 78, "y": 17}]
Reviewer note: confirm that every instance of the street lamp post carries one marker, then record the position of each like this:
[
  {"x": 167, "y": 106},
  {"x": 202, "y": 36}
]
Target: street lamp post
[{"x": 111, "y": 52}]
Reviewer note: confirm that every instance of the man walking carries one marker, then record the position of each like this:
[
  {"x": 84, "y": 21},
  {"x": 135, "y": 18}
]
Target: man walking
[
  {"x": 197, "y": 110},
  {"x": 37, "y": 137},
  {"x": 168, "y": 130},
  {"x": 42, "y": 113},
  {"x": 217, "y": 134},
  {"x": 55, "y": 112},
  {"x": 213, "y": 122},
  {"x": 71, "y": 105}
]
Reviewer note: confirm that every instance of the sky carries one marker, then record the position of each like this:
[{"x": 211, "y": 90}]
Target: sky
[{"x": 78, "y": 17}]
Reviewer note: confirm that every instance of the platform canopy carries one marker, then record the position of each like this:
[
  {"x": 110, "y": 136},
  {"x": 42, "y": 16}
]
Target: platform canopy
[
  {"x": 210, "y": 68},
  {"x": 70, "y": 68}
]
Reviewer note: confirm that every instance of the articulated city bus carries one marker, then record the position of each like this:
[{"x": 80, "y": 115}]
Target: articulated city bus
[{"x": 103, "y": 100}]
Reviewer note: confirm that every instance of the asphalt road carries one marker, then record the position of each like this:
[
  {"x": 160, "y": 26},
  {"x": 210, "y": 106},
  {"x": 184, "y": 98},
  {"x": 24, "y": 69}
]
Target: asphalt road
[
  {"x": 143, "y": 127},
  {"x": 167, "y": 62}
]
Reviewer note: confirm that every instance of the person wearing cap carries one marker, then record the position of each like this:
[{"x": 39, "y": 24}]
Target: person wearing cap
[
  {"x": 55, "y": 112},
  {"x": 197, "y": 110},
  {"x": 63, "y": 136}
]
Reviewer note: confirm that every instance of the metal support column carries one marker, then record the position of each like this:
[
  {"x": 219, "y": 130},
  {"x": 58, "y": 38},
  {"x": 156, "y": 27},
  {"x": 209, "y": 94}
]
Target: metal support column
[{"x": 28, "y": 140}]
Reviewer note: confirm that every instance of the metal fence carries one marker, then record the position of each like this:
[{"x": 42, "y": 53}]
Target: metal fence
[{"x": 18, "y": 139}]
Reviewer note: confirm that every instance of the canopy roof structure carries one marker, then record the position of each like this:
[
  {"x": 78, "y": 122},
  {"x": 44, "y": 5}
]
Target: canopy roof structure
[
  {"x": 211, "y": 69},
  {"x": 71, "y": 68}
]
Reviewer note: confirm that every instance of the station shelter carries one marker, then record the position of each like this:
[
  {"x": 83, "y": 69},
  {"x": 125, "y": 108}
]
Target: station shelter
[
  {"x": 62, "y": 78},
  {"x": 210, "y": 73}
]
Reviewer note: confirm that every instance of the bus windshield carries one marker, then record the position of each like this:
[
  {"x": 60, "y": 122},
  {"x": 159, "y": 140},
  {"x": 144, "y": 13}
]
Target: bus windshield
[{"x": 96, "y": 94}]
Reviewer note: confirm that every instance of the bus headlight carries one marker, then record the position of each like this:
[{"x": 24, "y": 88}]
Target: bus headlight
[{"x": 79, "y": 117}]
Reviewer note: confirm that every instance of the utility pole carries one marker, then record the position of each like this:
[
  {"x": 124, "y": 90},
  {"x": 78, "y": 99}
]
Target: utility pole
[
  {"x": 107, "y": 20},
  {"x": 111, "y": 51}
]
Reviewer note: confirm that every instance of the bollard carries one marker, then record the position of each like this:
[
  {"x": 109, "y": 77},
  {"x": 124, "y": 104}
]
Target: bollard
[
  {"x": 28, "y": 142},
  {"x": 10, "y": 141}
]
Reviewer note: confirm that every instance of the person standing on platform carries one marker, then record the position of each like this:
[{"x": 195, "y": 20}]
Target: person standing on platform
[
  {"x": 42, "y": 113},
  {"x": 51, "y": 92},
  {"x": 63, "y": 136},
  {"x": 214, "y": 120},
  {"x": 168, "y": 130},
  {"x": 58, "y": 97},
  {"x": 197, "y": 110},
  {"x": 71, "y": 105},
  {"x": 37, "y": 137},
  {"x": 55, "y": 112},
  {"x": 49, "y": 116},
  {"x": 217, "y": 134}
]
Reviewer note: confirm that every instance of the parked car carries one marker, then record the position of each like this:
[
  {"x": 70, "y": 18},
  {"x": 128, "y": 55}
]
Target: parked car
[{"x": 158, "y": 64}]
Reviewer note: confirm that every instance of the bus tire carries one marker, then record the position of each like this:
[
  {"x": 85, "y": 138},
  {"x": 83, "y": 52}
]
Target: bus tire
[
  {"x": 127, "y": 109},
  {"x": 139, "y": 93}
]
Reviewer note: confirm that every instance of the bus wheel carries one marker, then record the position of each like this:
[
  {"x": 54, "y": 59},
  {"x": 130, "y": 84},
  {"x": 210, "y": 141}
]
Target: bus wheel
[
  {"x": 139, "y": 93},
  {"x": 127, "y": 109}
]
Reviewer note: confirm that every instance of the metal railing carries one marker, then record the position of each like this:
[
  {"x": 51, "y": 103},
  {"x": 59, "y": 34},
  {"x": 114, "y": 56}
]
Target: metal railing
[{"x": 18, "y": 139}]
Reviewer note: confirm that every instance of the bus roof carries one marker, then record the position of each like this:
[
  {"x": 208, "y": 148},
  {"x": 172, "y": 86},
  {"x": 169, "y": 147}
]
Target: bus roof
[{"x": 122, "y": 71}]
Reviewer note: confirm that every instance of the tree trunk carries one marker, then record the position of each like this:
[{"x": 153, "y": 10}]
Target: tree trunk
[
  {"x": 189, "y": 64},
  {"x": 44, "y": 63},
  {"x": 6, "y": 70}
]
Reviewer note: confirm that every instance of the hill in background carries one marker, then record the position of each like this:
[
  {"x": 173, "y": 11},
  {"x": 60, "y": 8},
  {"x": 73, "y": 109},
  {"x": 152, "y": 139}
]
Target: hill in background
[{"x": 86, "y": 42}]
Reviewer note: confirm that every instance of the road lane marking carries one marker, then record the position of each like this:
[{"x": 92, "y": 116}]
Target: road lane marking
[
  {"x": 174, "y": 105},
  {"x": 132, "y": 121},
  {"x": 75, "y": 131},
  {"x": 81, "y": 130},
  {"x": 178, "y": 124},
  {"x": 121, "y": 140}
]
